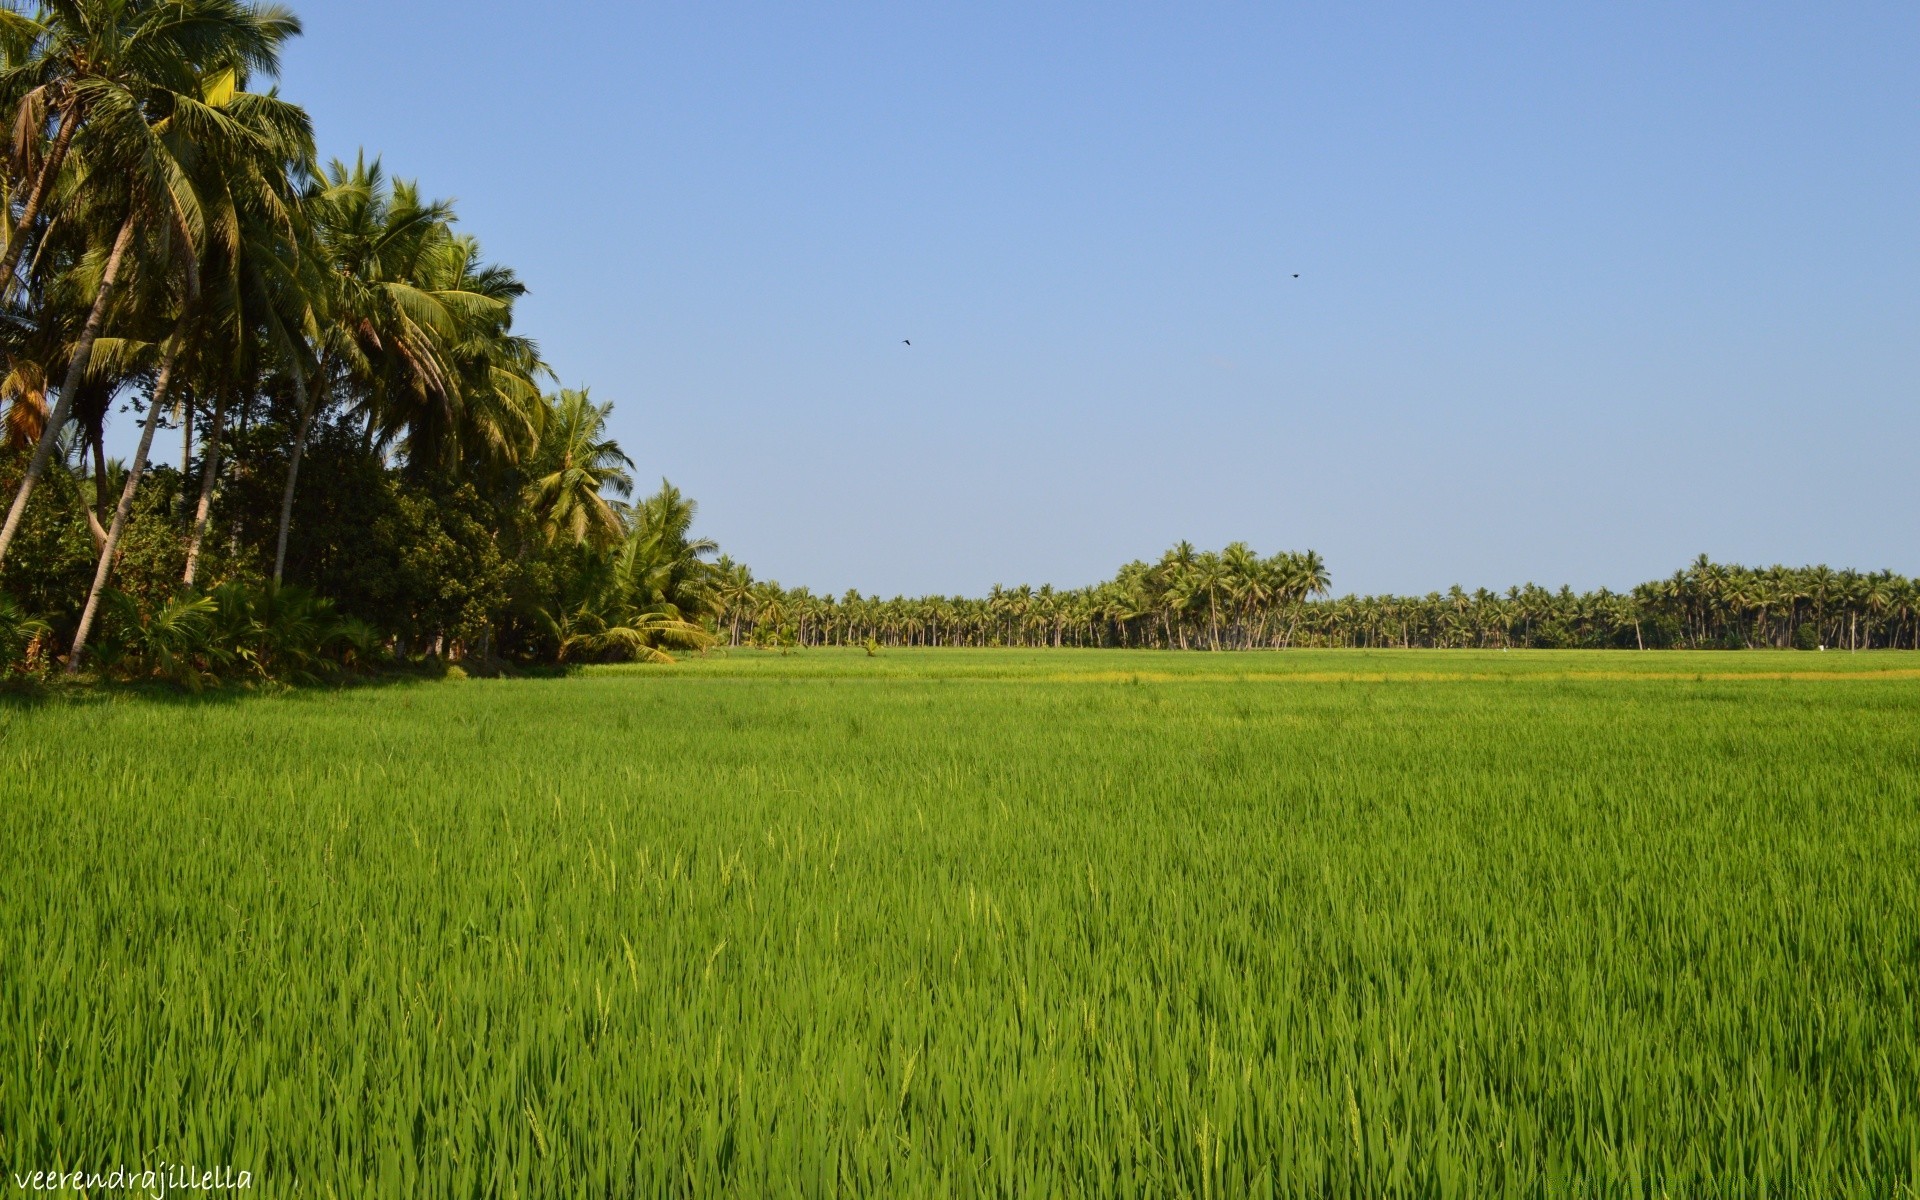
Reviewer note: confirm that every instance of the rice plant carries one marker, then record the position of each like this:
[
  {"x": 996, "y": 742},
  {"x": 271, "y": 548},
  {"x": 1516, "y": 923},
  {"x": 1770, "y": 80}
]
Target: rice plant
[{"x": 968, "y": 923}]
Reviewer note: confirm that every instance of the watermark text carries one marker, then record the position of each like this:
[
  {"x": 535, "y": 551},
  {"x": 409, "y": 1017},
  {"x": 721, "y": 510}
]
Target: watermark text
[{"x": 158, "y": 1182}]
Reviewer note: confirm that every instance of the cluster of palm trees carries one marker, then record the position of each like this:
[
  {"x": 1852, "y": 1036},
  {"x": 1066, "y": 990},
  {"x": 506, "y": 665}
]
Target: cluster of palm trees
[
  {"x": 1191, "y": 599},
  {"x": 152, "y": 197},
  {"x": 636, "y": 581},
  {"x": 174, "y": 247},
  {"x": 1707, "y": 605},
  {"x": 1235, "y": 599}
]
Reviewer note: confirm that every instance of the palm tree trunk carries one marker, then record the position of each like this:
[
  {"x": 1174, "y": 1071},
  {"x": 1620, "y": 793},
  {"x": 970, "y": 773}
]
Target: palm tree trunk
[
  {"x": 100, "y": 514},
  {"x": 49, "y": 167},
  {"x": 209, "y": 471},
  {"x": 307, "y": 406},
  {"x": 76, "y": 370},
  {"x": 124, "y": 509},
  {"x": 97, "y": 445}
]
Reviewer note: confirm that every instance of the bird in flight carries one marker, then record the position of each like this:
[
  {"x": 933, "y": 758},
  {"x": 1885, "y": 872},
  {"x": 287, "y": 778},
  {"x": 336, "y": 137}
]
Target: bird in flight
[
  {"x": 906, "y": 341},
  {"x": 1296, "y": 274}
]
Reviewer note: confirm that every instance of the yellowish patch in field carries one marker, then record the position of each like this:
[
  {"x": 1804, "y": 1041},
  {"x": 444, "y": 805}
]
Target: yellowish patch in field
[{"x": 1466, "y": 676}]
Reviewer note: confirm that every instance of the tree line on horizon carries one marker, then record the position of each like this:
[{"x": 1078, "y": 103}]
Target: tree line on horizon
[{"x": 1235, "y": 599}]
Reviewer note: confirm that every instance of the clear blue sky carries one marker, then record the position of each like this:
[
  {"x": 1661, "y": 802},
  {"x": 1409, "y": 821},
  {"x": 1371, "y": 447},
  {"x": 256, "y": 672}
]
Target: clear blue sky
[{"x": 1581, "y": 294}]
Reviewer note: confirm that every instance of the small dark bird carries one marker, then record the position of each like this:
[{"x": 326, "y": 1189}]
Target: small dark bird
[
  {"x": 1296, "y": 274},
  {"x": 905, "y": 342}
]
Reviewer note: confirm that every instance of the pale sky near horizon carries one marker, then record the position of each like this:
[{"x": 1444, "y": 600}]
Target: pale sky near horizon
[{"x": 1583, "y": 290}]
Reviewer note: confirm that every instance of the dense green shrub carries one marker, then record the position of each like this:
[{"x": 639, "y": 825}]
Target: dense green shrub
[
  {"x": 235, "y": 631},
  {"x": 52, "y": 559}
]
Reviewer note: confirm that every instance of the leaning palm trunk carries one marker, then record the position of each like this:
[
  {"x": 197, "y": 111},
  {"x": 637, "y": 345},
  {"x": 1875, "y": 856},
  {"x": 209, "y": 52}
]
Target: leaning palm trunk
[
  {"x": 124, "y": 509},
  {"x": 102, "y": 511},
  {"x": 49, "y": 168},
  {"x": 209, "y": 471},
  {"x": 76, "y": 370},
  {"x": 184, "y": 410},
  {"x": 95, "y": 529},
  {"x": 307, "y": 409}
]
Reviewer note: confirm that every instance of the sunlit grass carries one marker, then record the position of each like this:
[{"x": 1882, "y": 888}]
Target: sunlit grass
[{"x": 964, "y": 922}]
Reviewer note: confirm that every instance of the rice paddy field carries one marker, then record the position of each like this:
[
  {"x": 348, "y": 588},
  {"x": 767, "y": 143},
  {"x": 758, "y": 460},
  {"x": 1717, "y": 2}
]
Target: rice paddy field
[{"x": 981, "y": 923}]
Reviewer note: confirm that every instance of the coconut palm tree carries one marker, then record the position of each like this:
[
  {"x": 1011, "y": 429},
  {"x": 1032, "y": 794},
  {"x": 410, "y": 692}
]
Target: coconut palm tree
[
  {"x": 490, "y": 410},
  {"x": 257, "y": 294},
  {"x": 734, "y": 591},
  {"x": 575, "y": 466},
  {"x": 359, "y": 247},
  {"x": 661, "y": 558}
]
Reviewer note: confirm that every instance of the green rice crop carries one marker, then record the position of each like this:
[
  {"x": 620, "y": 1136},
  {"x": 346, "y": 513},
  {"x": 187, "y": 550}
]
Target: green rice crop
[{"x": 972, "y": 922}]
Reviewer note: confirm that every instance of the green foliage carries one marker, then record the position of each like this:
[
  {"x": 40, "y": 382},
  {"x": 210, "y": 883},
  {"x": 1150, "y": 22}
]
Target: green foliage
[
  {"x": 985, "y": 923},
  {"x": 575, "y": 466},
  {"x": 20, "y": 633},
  {"x": 52, "y": 559},
  {"x": 418, "y": 560},
  {"x": 151, "y": 552},
  {"x": 637, "y": 599},
  {"x": 171, "y": 641},
  {"x": 288, "y": 633},
  {"x": 444, "y": 574},
  {"x": 284, "y": 634}
]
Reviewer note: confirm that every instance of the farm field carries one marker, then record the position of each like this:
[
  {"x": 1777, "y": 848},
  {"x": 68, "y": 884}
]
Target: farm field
[{"x": 981, "y": 922}]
